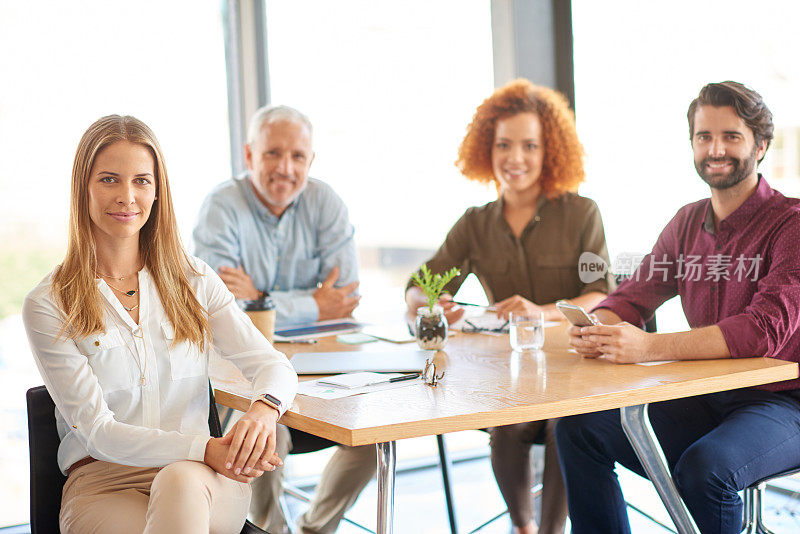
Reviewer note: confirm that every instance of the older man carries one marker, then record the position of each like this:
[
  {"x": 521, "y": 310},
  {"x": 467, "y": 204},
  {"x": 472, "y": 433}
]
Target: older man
[
  {"x": 278, "y": 231},
  {"x": 275, "y": 230}
]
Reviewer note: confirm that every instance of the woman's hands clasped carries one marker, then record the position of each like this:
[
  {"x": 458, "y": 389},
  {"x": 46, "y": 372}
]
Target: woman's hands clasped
[{"x": 248, "y": 449}]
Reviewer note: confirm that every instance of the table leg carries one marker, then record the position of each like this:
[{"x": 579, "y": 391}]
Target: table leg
[
  {"x": 446, "y": 466},
  {"x": 637, "y": 428},
  {"x": 386, "y": 468}
]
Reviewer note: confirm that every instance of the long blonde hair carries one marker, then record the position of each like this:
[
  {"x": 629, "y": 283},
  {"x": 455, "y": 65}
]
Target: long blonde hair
[{"x": 74, "y": 285}]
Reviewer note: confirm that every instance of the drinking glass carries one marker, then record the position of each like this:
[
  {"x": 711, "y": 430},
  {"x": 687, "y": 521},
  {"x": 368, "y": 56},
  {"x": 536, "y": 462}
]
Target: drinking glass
[{"x": 526, "y": 331}]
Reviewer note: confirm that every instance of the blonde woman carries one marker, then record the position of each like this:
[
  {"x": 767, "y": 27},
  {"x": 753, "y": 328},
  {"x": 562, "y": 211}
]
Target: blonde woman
[{"x": 121, "y": 332}]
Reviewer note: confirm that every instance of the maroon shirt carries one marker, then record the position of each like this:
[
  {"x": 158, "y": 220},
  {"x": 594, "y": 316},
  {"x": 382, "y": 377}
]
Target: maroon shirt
[{"x": 743, "y": 276}]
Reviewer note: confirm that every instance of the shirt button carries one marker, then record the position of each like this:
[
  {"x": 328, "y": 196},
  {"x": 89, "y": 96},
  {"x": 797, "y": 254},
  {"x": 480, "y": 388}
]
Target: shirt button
[
  {"x": 713, "y": 289},
  {"x": 537, "y": 218}
]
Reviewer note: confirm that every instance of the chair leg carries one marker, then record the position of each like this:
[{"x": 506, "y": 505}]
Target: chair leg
[
  {"x": 227, "y": 413},
  {"x": 287, "y": 515},
  {"x": 753, "y": 503},
  {"x": 446, "y": 466},
  {"x": 301, "y": 495}
]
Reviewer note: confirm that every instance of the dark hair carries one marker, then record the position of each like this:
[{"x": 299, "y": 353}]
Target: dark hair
[{"x": 749, "y": 106}]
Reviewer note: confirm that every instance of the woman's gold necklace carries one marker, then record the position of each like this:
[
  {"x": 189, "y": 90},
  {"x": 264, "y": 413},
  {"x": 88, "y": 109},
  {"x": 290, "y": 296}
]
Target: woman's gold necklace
[
  {"x": 130, "y": 293},
  {"x": 120, "y": 278},
  {"x": 142, "y": 372}
]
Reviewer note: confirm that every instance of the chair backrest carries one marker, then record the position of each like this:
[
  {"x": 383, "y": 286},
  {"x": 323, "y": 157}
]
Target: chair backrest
[
  {"x": 214, "y": 425},
  {"x": 47, "y": 481},
  {"x": 303, "y": 442},
  {"x": 46, "y": 478}
]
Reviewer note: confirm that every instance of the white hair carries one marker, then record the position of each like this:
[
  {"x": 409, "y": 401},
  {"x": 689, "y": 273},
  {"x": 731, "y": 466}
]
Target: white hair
[{"x": 271, "y": 114}]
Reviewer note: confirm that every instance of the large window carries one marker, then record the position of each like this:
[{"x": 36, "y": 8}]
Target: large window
[
  {"x": 63, "y": 66},
  {"x": 638, "y": 65},
  {"x": 390, "y": 88}
]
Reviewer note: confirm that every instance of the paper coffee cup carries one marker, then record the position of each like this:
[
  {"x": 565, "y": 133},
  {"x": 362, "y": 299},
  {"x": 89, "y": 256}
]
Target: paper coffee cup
[{"x": 265, "y": 322}]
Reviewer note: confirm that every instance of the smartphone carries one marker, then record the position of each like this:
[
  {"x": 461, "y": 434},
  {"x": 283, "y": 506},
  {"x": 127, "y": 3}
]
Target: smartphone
[{"x": 575, "y": 314}]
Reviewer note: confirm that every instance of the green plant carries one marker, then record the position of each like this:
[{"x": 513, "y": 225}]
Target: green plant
[{"x": 433, "y": 284}]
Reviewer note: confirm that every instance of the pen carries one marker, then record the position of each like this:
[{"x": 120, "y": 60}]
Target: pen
[
  {"x": 411, "y": 376},
  {"x": 402, "y": 378},
  {"x": 300, "y": 341},
  {"x": 488, "y": 308}
]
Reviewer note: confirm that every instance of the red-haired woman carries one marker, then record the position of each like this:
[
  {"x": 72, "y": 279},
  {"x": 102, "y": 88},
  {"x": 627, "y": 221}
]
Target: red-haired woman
[
  {"x": 524, "y": 248},
  {"x": 121, "y": 332}
]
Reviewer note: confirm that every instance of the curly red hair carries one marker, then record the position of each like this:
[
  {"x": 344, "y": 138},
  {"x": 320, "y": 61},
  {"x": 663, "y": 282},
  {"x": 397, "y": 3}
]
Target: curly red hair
[{"x": 562, "y": 168}]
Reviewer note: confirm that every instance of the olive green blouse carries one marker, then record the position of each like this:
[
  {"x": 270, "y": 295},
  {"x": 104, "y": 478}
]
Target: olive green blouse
[{"x": 541, "y": 265}]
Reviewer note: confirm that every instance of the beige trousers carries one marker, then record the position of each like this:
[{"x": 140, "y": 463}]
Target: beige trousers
[
  {"x": 345, "y": 475},
  {"x": 511, "y": 463},
  {"x": 183, "y": 497}
]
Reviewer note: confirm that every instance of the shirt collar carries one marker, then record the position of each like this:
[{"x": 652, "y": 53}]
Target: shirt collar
[
  {"x": 742, "y": 216},
  {"x": 255, "y": 204},
  {"x": 497, "y": 209}
]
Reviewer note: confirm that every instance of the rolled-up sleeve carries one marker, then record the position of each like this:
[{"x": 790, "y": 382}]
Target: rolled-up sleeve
[
  {"x": 771, "y": 319},
  {"x": 336, "y": 244},
  {"x": 654, "y": 282}
]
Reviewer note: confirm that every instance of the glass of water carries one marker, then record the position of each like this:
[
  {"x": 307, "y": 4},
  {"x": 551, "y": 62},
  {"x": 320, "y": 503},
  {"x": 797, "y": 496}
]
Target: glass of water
[{"x": 526, "y": 331}]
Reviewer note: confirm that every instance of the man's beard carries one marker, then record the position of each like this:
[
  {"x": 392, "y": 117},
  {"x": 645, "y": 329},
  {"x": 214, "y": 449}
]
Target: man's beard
[{"x": 740, "y": 169}]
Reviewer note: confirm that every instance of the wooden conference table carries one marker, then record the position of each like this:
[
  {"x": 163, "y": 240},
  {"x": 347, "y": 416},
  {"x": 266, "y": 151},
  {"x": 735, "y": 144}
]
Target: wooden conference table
[{"x": 486, "y": 384}]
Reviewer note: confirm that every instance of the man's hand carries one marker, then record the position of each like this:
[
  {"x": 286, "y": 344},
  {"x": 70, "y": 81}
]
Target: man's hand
[
  {"x": 415, "y": 299},
  {"x": 335, "y": 303},
  {"x": 582, "y": 346},
  {"x": 619, "y": 343},
  {"x": 238, "y": 282}
]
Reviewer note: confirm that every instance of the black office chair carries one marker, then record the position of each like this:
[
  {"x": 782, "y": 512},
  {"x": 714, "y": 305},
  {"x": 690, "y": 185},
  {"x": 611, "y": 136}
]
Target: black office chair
[
  {"x": 46, "y": 479},
  {"x": 752, "y": 522}
]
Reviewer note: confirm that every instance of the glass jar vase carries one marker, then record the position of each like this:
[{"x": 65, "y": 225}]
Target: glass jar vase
[{"x": 431, "y": 328}]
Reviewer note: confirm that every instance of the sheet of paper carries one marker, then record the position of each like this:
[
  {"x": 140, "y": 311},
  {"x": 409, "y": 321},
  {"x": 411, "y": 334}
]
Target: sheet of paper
[
  {"x": 395, "y": 333},
  {"x": 310, "y": 388},
  {"x": 357, "y": 380},
  {"x": 656, "y": 363},
  {"x": 355, "y": 338}
]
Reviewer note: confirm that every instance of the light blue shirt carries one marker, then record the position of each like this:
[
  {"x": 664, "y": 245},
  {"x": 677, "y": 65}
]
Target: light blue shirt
[{"x": 286, "y": 256}]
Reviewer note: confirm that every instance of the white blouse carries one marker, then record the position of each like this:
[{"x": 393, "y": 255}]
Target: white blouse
[{"x": 102, "y": 408}]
